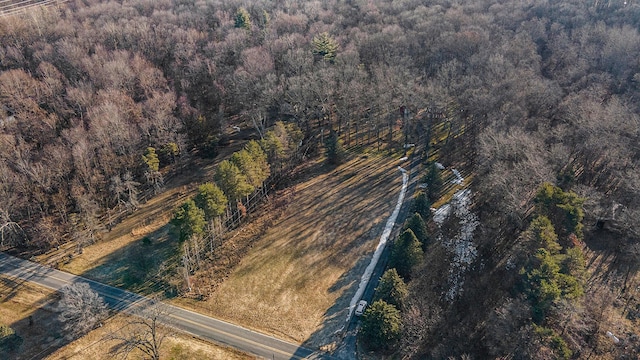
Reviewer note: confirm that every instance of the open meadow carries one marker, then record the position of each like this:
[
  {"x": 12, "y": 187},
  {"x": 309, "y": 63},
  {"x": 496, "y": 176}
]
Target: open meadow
[{"x": 298, "y": 278}]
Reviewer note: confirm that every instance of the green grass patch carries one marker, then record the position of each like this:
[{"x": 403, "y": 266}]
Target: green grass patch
[{"x": 142, "y": 266}]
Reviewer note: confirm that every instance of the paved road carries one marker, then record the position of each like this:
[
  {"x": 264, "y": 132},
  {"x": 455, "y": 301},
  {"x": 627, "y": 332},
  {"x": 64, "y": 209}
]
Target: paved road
[{"x": 188, "y": 321}]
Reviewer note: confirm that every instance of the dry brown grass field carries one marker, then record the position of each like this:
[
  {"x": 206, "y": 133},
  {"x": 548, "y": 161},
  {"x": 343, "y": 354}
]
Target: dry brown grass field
[
  {"x": 43, "y": 340},
  {"x": 298, "y": 278},
  {"x": 20, "y": 301},
  {"x": 177, "y": 346},
  {"x": 297, "y": 273}
]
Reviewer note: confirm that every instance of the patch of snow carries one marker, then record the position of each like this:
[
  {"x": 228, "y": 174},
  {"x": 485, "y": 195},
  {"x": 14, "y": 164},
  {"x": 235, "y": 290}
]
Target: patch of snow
[
  {"x": 404, "y": 158},
  {"x": 461, "y": 245},
  {"x": 510, "y": 264},
  {"x": 381, "y": 244},
  {"x": 423, "y": 186},
  {"x": 441, "y": 213},
  {"x": 406, "y": 146},
  {"x": 613, "y": 337},
  {"x": 440, "y": 166},
  {"x": 459, "y": 179}
]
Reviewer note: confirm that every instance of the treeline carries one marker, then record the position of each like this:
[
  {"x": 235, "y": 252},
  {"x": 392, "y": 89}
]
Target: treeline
[
  {"x": 543, "y": 312},
  {"x": 201, "y": 219},
  {"x": 382, "y": 322},
  {"x": 235, "y": 179}
]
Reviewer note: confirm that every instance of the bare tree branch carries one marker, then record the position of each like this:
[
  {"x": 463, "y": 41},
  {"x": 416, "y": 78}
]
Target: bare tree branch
[{"x": 142, "y": 333}]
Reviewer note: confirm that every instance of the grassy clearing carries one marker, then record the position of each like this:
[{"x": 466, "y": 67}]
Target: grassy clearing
[{"x": 297, "y": 280}]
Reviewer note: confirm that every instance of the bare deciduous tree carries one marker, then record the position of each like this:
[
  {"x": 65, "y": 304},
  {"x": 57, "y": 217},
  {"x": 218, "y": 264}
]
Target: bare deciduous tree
[
  {"x": 10, "y": 231},
  {"x": 130, "y": 186},
  {"x": 81, "y": 309},
  {"x": 143, "y": 332}
]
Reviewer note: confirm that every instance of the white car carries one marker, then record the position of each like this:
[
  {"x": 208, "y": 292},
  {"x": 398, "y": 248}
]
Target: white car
[{"x": 362, "y": 305}]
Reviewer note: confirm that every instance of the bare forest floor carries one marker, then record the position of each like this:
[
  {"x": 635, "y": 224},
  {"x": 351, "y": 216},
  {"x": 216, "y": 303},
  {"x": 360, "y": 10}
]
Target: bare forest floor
[
  {"x": 301, "y": 269},
  {"x": 612, "y": 287},
  {"x": 615, "y": 291}
]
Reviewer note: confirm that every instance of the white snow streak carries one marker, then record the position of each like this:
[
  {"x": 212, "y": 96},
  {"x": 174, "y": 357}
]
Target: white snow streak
[
  {"x": 461, "y": 246},
  {"x": 381, "y": 244},
  {"x": 441, "y": 214},
  {"x": 459, "y": 179}
]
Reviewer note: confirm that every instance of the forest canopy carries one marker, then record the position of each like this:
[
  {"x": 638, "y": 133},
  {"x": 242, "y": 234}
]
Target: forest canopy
[{"x": 101, "y": 99}]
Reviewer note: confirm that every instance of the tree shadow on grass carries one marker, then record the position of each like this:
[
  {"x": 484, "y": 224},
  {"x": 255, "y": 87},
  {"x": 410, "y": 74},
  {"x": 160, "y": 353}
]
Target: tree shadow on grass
[
  {"x": 138, "y": 267},
  {"x": 143, "y": 266},
  {"x": 39, "y": 333},
  {"x": 330, "y": 333},
  {"x": 10, "y": 288}
]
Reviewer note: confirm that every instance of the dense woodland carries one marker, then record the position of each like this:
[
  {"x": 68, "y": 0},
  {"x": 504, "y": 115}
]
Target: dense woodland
[{"x": 536, "y": 92}]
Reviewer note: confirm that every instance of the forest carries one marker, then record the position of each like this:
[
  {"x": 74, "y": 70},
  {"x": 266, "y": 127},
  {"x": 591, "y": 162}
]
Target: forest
[{"x": 101, "y": 100}]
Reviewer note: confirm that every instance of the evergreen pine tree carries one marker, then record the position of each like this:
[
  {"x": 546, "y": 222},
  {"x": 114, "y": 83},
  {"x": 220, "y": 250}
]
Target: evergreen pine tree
[
  {"x": 151, "y": 159},
  {"x": 422, "y": 206},
  {"x": 406, "y": 253},
  {"x": 391, "y": 288},
  {"x": 190, "y": 220},
  {"x": 381, "y": 325},
  {"x": 211, "y": 200},
  {"x": 325, "y": 46},
  {"x": 419, "y": 228},
  {"x": 243, "y": 19}
]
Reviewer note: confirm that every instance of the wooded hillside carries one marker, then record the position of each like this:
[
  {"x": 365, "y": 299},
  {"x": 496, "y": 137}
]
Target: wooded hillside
[{"x": 534, "y": 92}]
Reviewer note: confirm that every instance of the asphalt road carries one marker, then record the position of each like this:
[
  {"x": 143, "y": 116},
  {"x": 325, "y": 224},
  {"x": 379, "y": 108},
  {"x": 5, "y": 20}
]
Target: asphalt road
[{"x": 187, "y": 321}]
